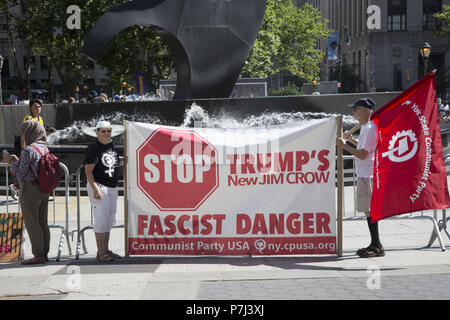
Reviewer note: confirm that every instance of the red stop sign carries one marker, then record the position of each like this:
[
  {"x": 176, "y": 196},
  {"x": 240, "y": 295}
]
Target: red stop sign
[{"x": 177, "y": 169}]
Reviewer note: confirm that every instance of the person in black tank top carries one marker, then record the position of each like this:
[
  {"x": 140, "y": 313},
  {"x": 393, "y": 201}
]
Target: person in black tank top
[{"x": 101, "y": 166}]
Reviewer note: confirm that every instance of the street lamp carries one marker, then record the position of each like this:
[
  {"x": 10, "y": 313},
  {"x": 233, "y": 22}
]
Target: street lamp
[
  {"x": 1, "y": 68},
  {"x": 425, "y": 53}
]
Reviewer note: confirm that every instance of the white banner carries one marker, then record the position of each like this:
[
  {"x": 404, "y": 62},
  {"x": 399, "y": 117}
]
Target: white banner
[{"x": 258, "y": 191}]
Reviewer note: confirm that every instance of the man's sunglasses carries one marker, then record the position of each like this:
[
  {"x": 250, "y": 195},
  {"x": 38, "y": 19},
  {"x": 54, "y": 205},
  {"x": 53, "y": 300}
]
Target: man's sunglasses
[{"x": 105, "y": 131}]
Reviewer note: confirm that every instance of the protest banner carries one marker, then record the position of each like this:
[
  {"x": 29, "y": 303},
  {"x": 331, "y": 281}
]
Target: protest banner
[
  {"x": 11, "y": 236},
  {"x": 204, "y": 191}
]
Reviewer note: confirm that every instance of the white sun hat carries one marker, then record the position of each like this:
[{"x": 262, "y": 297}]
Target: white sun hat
[{"x": 116, "y": 129}]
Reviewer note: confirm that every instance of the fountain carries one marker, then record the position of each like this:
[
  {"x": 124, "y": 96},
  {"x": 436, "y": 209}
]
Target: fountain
[{"x": 195, "y": 116}]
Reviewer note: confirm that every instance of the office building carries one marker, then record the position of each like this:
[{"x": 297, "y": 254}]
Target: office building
[{"x": 387, "y": 57}]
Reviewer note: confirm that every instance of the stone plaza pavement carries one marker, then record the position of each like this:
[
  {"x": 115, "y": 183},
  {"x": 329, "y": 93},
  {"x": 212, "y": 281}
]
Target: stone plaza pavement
[{"x": 410, "y": 270}]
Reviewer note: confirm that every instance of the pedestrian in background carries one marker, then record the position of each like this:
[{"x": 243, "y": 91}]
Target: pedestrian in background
[
  {"x": 35, "y": 111},
  {"x": 33, "y": 202},
  {"x": 364, "y": 151}
]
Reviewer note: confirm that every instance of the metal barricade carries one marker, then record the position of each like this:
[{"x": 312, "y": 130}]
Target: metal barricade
[
  {"x": 441, "y": 224},
  {"x": 6, "y": 188},
  {"x": 80, "y": 231},
  {"x": 64, "y": 229},
  {"x": 350, "y": 215}
]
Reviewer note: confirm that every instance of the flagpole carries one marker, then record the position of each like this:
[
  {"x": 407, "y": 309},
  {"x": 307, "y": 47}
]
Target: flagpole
[
  {"x": 125, "y": 185},
  {"x": 339, "y": 190},
  {"x": 354, "y": 129}
]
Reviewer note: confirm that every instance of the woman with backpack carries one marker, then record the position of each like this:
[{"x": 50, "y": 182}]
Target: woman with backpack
[
  {"x": 33, "y": 201},
  {"x": 35, "y": 106}
]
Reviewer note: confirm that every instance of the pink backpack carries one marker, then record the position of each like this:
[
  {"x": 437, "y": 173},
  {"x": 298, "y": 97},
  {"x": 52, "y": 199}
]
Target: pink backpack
[{"x": 49, "y": 171}]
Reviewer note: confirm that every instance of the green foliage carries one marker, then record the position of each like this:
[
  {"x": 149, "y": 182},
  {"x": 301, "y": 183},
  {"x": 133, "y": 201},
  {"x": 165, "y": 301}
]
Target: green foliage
[
  {"x": 289, "y": 90},
  {"x": 287, "y": 42},
  {"x": 136, "y": 49},
  {"x": 443, "y": 78},
  {"x": 42, "y": 25},
  {"x": 444, "y": 17}
]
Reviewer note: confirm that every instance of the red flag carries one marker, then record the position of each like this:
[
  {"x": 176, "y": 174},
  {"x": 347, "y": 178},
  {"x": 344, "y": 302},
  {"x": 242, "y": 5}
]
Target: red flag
[{"x": 409, "y": 170}]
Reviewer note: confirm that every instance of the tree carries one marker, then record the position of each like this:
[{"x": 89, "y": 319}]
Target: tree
[
  {"x": 20, "y": 29},
  {"x": 287, "y": 41},
  {"x": 5, "y": 6},
  {"x": 38, "y": 23},
  {"x": 444, "y": 17},
  {"x": 443, "y": 79},
  {"x": 266, "y": 47},
  {"x": 42, "y": 26},
  {"x": 135, "y": 49},
  {"x": 63, "y": 46}
]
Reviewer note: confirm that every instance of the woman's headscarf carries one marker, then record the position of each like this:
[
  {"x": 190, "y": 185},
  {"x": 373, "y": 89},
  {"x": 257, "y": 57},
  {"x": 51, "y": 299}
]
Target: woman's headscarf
[{"x": 33, "y": 131}]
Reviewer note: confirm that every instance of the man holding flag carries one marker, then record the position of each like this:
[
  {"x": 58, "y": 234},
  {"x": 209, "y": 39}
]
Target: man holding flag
[
  {"x": 364, "y": 153},
  {"x": 409, "y": 172}
]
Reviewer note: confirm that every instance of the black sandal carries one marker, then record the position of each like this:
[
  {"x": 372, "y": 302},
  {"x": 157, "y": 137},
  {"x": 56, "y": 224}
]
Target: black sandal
[{"x": 371, "y": 252}]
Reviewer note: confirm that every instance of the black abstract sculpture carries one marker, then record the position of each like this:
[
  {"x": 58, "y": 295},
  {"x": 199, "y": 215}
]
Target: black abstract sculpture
[{"x": 210, "y": 39}]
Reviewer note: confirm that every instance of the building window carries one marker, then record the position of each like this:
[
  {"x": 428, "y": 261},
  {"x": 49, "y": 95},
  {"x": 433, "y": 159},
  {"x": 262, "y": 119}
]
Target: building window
[
  {"x": 3, "y": 24},
  {"x": 397, "y": 77},
  {"x": 90, "y": 65},
  {"x": 430, "y": 7},
  {"x": 32, "y": 62},
  {"x": 44, "y": 63},
  {"x": 5, "y": 69},
  {"x": 397, "y": 15}
]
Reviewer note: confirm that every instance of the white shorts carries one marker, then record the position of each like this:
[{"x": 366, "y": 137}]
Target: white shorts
[{"x": 104, "y": 210}]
